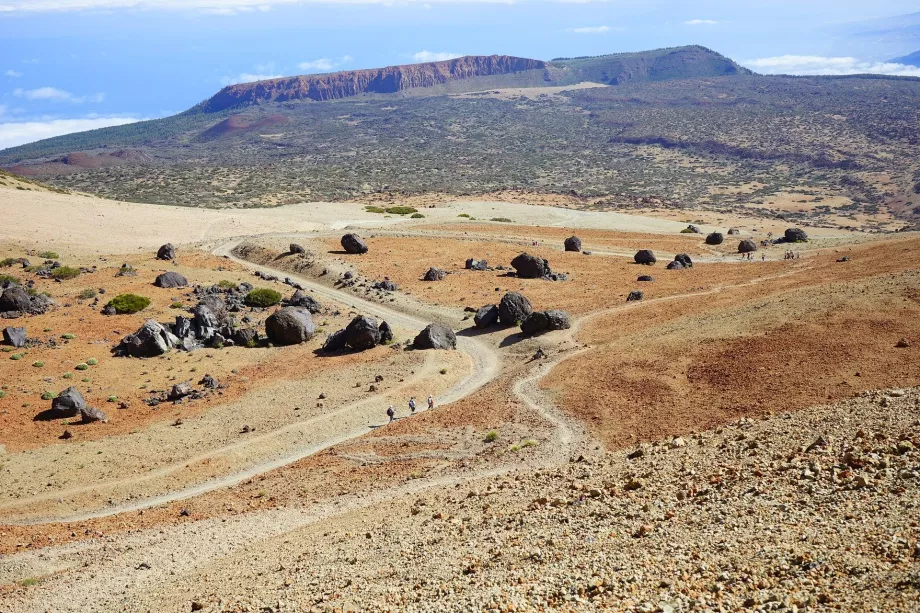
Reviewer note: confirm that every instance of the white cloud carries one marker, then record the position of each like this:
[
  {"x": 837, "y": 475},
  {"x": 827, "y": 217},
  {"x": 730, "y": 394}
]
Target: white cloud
[
  {"x": 2, "y": 110},
  {"x": 590, "y": 30},
  {"x": 248, "y": 77},
  {"x": 218, "y": 7},
  {"x": 12, "y": 134},
  {"x": 13, "y": 74},
  {"x": 324, "y": 64},
  {"x": 701, "y": 22},
  {"x": 56, "y": 95},
  {"x": 433, "y": 56},
  {"x": 820, "y": 65}
]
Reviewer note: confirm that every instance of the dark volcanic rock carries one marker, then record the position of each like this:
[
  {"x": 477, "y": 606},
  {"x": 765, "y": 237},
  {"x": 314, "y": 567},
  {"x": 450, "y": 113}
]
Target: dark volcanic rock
[
  {"x": 694, "y": 229},
  {"x": 486, "y": 316},
  {"x": 558, "y": 319},
  {"x": 247, "y": 337},
  {"x": 474, "y": 264},
  {"x": 14, "y": 299},
  {"x": 68, "y": 403},
  {"x": 386, "y": 285},
  {"x": 675, "y": 265},
  {"x": 436, "y": 336},
  {"x": 746, "y": 246},
  {"x": 716, "y": 238},
  {"x": 205, "y": 323},
  {"x": 386, "y": 333},
  {"x": 530, "y": 267},
  {"x": 89, "y": 415},
  {"x": 645, "y": 256},
  {"x": 362, "y": 333},
  {"x": 645, "y": 278},
  {"x": 15, "y": 337},
  {"x": 295, "y": 249},
  {"x": 733, "y": 231},
  {"x": 171, "y": 280},
  {"x": 183, "y": 327},
  {"x": 152, "y": 339},
  {"x": 634, "y": 295},
  {"x": 334, "y": 342},
  {"x": 796, "y": 235},
  {"x": 352, "y": 243},
  {"x": 305, "y": 300},
  {"x": 513, "y": 309},
  {"x": 684, "y": 259},
  {"x": 166, "y": 252},
  {"x": 40, "y": 303},
  {"x": 573, "y": 243},
  {"x": 435, "y": 274},
  {"x": 535, "y": 323},
  {"x": 290, "y": 326}
]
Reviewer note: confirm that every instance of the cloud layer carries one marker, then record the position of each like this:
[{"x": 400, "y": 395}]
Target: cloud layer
[
  {"x": 590, "y": 30},
  {"x": 821, "y": 65},
  {"x": 434, "y": 56},
  {"x": 217, "y": 7},
  {"x": 20, "y": 133},
  {"x": 325, "y": 64},
  {"x": 54, "y": 94}
]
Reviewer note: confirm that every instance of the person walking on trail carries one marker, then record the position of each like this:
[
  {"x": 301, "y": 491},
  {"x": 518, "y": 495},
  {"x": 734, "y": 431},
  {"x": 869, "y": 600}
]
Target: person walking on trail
[
  {"x": 412, "y": 405},
  {"x": 430, "y": 403},
  {"x": 763, "y": 257},
  {"x": 391, "y": 413}
]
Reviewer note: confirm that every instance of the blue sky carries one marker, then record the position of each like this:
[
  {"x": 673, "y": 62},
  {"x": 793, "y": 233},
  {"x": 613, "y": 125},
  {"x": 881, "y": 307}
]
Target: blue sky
[{"x": 68, "y": 65}]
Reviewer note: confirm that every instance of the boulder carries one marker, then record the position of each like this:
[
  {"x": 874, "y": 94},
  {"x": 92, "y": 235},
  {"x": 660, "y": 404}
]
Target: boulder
[
  {"x": 435, "y": 274},
  {"x": 694, "y": 229},
  {"x": 290, "y": 326},
  {"x": 747, "y": 246},
  {"x": 530, "y": 266},
  {"x": 352, "y": 243},
  {"x": 217, "y": 306},
  {"x": 684, "y": 259},
  {"x": 247, "y": 337},
  {"x": 91, "y": 414},
  {"x": 558, "y": 320},
  {"x": 295, "y": 249},
  {"x": 535, "y": 323},
  {"x": 152, "y": 339},
  {"x": 171, "y": 280},
  {"x": 386, "y": 285},
  {"x": 14, "y": 336},
  {"x": 486, "y": 316},
  {"x": 513, "y": 309},
  {"x": 183, "y": 327},
  {"x": 14, "y": 299},
  {"x": 573, "y": 243},
  {"x": 645, "y": 278},
  {"x": 68, "y": 403},
  {"x": 634, "y": 295},
  {"x": 645, "y": 256},
  {"x": 436, "y": 336},
  {"x": 733, "y": 231},
  {"x": 796, "y": 235},
  {"x": 362, "y": 333},
  {"x": 209, "y": 382},
  {"x": 675, "y": 265},
  {"x": 716, "y": 238},
  {"x": 179, "y": 391},
  {"x": 166, "y": 252},
  {"x": 108, "y": 310},
  {"x": 305, "y": 300},
  {"x": 386, "y": 333},
  {"x": 334, "y": 342},
  {"x": 204, "y": 322},
  {"x": 474, "y": 264}
]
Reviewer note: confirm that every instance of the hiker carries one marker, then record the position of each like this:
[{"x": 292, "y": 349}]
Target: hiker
[
  {"x": 412, "y": 405},
  {"x": 763, "y": 257},
  {"x": 430, "y": 403},
  {"x": 391, "y": 413}
]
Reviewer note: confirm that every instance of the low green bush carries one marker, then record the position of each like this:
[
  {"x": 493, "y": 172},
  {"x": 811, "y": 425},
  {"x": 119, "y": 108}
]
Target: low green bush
[
  {"x": 177, "y": 305},
  {"x": 92, "y": 361},
  {"x": 47, "y": 396},
  {"x": 491, "y": 436},
  {"x": 464, "y": 215},
  {"x": 48, "y": 255},
  {"x": 7, "y": 262},
  {"x": 501, "y": 219},
  {"x": 263, "y": 297},
  {"x": 87, "y": 294},
  {"x": 9, "y": 279},
  {"x": 401, "y": 210},
  {"x": 69, "y": 336},
  {"x": 82, "y": 366},
  {"x": 125, "y": 304},
  {"x": 16, "y": 356},
  {"x": 65, "y": 272},
  {"x": 226, "y": 284},
  {"x": 375, "y": 209},
  {"x": 38, "y": 364},
  {"x": 417, "y": 216}
]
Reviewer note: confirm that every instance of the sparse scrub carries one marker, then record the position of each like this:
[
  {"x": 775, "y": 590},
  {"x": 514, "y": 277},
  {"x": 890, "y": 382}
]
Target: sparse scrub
[
  {"x": 82, "y": 366},
  {"x": 9, "y": 279},
  {"x": 92, "y": 361},
  {"x": 48, "y": 255},
  {"x": 64, "y": 273},
  {"x": 401, "y": 210},
  {"x": 263, "y": 297},
  {"x": 126, "y": 304},
  {"x": 226, "y": 284},
  {"x": 87, "y": 294},
  {"x": 491, "y": 436},
  {"x": 501, "y": 219},
  {"x": 375, "y": 209},
  {"x": 38, "y": 364},
  {"x": 417, "y": 216},
  {"x": 68, "y": 336}
]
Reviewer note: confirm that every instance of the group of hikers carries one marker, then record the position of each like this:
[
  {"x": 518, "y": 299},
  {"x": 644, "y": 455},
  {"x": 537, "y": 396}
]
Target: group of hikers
[
  {"x": 749, "y": 256},
  {"x": 792, "y": 255},
  {"x": 391, "y": 412}
]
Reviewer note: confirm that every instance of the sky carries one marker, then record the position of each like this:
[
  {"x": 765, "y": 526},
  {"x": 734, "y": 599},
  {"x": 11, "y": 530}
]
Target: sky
[{"x": 73, "y": 65}]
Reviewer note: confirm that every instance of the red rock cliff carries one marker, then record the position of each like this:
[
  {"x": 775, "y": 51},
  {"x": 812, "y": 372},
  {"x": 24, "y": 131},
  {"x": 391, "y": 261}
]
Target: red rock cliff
[{"x": 377, "y": 80}]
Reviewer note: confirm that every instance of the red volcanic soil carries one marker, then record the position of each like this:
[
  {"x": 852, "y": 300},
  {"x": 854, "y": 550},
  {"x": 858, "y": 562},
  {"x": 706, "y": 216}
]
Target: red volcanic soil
[{"x": 242, "y": 123}]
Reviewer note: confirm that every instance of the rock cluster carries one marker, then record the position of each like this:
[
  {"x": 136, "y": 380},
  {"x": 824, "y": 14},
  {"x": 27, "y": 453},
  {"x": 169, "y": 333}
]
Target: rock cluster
[
  {"x": 513, "y": 309},
  {"x": 361, "y": 334},
  {"x": 151, "y": 340},
  {"x": 435, "y": 274},
  {"x": 474, "y": 264},
  {"x": 539, "y": 322}
]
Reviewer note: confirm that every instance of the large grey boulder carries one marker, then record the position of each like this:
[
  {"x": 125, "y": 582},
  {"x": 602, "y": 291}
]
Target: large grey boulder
[
  {"x": 558, "y": 319},
  {"x": 645, "y": 256},
  {"x": 205, "y": 322},
  {"x": 747, "y": 246},
  {"x": 152, "y": 339},
  {"x": 290, "y": 326},
  {"x": 217, "y": 305},
  {"x": 535, "y": 323},
  {"x": 434, "y": 274},
  {"x": 246, "y": 337},
  {"x": 352, "y": 243},
  {"x": 796, "y": 235},
  {"x": 15, "y": 336},
  {"x": 171, "y": 280},
  {"x": 684, "y": 259},
  {"x": 486, "y": 316},
  {"x": 675, "y": 265},
  {"x": 715, "y": 238},
  {"x": 68, "y": 403},
  {"x": 513, "y": 309},
  {"x": 530, "y": 266},
  {"x": 166, "y": 252},
  {"x": 573, "y": 243},
  {"x": 474, "y": 264},
  {"x": 14, "y": 299},
  {"x": 362, "y": 333},
  {"x": 436, "y": 336},
  {"x": 305, "y": 300}
]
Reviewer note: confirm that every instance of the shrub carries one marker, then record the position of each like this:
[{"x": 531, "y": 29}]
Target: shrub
[
  {"x": 9, "y": 279},
  {"x": 529, "y": 443},
  {"x": 47, "y": 396},
  {"x": 687, "y": 231},
  {"x": 69, "y": 336},
  {"x": 226, "y": 284},
  {"x": 113, "y": 398},
  {"x": 125, "y": 304},
  {"x": 2, "y": 394},
  {"x": 401, "y": 210},
  {"x": 16, "y": 356},
  {"x": 38, "y": 364},
  {"x": 29, "y": 582},
  {"x": 443, "y": 371},
  {"x": 464, "y": 215},
  {"x": 87, "y": 294},
  {"x": 65, "y": 272},
  {"x": 263, "y": 297},
  {"x": 491, "y": 436},
  {"x": 92, "y": 361},
  {"x": 48, "y": 255},
  {"x": 88, "y": 380},
  {"x": 417, "y": 216},
  {"x": 7, "y": 262},
  {"x": 177, "y": 305},
  {"x": 501, "y": 219},
  {"x": 82, "y": 366},
  {"x": 67, "y": 375},
  {"x": 375, "y": 209}
]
